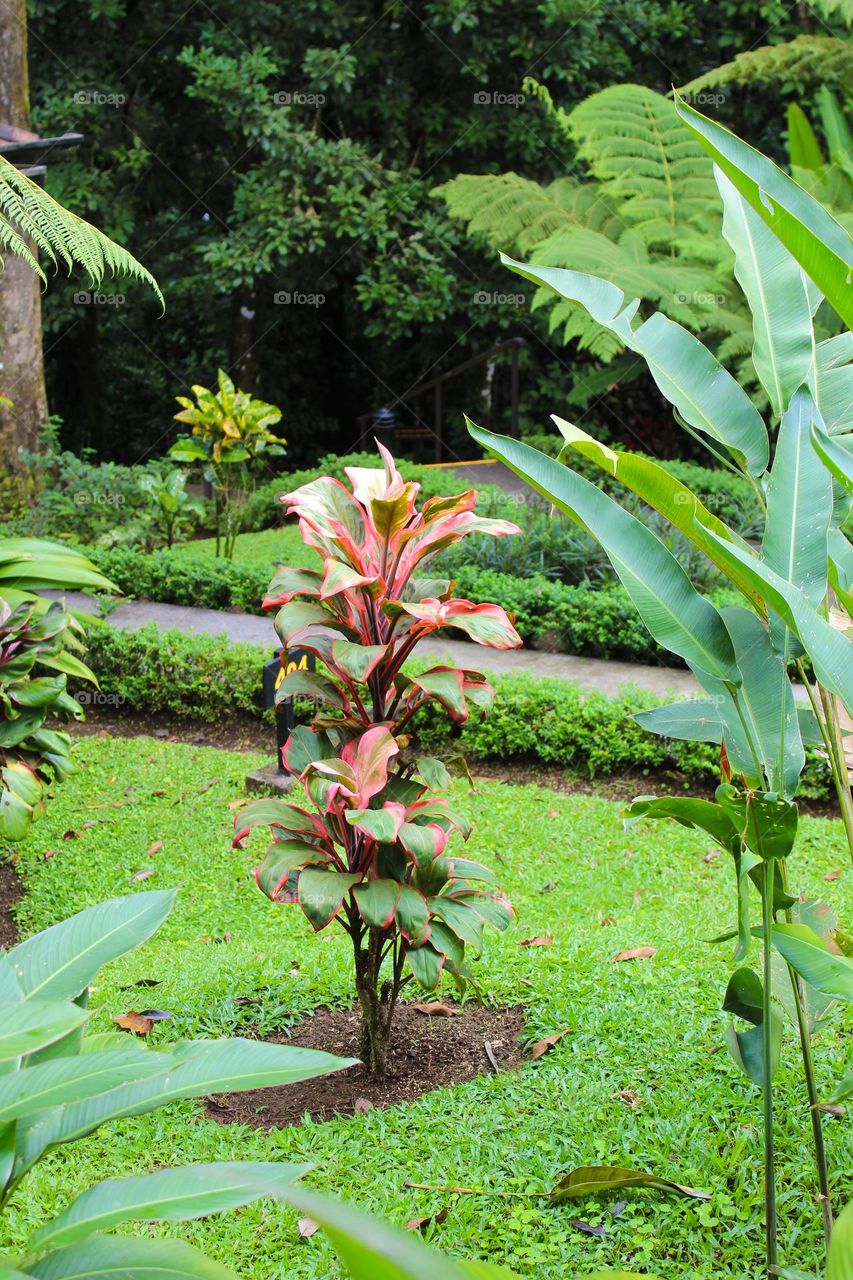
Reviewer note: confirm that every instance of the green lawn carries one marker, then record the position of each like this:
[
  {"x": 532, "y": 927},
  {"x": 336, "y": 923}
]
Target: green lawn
[
  {"x": 652, "y": 1026},
  {"x": 264, "y": 548}
]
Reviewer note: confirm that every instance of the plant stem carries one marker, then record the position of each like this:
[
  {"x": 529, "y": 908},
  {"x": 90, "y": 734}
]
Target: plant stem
[
  {"x": 842, "y": 781},
  {"x": 817, "y": 1124},
  {"x": 770, "y": 1223}
]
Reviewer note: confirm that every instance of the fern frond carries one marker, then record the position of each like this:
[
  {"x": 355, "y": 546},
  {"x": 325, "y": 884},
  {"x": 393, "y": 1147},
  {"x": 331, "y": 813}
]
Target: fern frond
[
  {"x": 29, "y": 215},
  {"x": 515, "y": 214},
  {"x": 834, "y": 10},
  {"x": 636, "y": 146},
  {"x": 803, "y": 61}
]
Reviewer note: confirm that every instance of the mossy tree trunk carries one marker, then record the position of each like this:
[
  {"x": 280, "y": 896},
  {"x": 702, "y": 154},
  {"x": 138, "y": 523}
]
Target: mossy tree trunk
[{"x": 21, "y": 360}]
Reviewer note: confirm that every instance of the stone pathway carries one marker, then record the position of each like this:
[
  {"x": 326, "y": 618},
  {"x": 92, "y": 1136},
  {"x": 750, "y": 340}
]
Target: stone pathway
[{"x": 592, "y": 673}]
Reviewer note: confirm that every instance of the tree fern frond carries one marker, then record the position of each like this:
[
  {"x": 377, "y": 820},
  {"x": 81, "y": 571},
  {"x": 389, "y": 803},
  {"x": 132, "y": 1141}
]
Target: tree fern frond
[
  {"x": 636, "y": 146},
  {"x": 27, "y": 213},
  {"x": 803, "y": 61}
]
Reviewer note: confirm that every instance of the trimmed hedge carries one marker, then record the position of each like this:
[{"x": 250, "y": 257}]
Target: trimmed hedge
[{"x": 553, "y": 721}]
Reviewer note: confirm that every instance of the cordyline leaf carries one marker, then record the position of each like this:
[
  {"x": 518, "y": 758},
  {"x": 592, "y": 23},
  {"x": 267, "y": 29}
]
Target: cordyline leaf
[
  {"x": 309, "y": 684},
  {"x": 287, "y": 583},
  {"x": 368, "y": 756},
  {"x": 426, "y": 964},
  {"x": 380, "y": 824},
  {"x": 321, "y": 894},
  {"x": 377, "y": 900},
  {"x": 678, "y": 617},
  {"x": 486, "y": 624},
  {"x": 592, "y": 1180},
  {"x": 283, "y": 858},
  {"x": 809, "y": 232},
  {"x": 358, "y": 661}
]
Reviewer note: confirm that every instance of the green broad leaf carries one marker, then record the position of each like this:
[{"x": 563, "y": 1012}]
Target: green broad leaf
[
  {"x": 839, "y": 1260},
  {"x": 129, "y": 1258},
  {"x": 377, "y": 901},
  {"x": 809, "y": 232},
  {"x": 282, "y": 858},
  {"x": 765, "y": 822},
  {"x": 688, "y": 812},
  {"x": 321, "y": 894},
  {"x": 745, "y": 996},
  {"x": 813, "y": 960},
  {"x": 461, "y": 920},
  {"x": 358, "y": 661},
  {"x": 692, "y": 720},
  {"x": 443, "y": 940},
  {"x": 829, "y": 650},
  {"x": 60, "y": 1081},
  {"x": 835, "y": 452},
  {"x": 380, "y": 824},
  {"x": 687, "y": 374},
  {"x": 170, "y": 1195},
  {"x": 412, "y": 915},
  {"x": 595, "y": 1180},
  {"x": 831, "y": 381},
  {"x": 803, "y": 147},
  {"x": 465, "y": 869},
  {"x": 28, "y": 1026},
  {"x": 799, "y": 509},
  {"x": 191, "y": 1070},
  {"x": 426, "y": 964},
  {"x": 676, "y": 615},
  {"x": 434, "y": 773},
  {"x": 69, "y": 665},
  {"x": 678, "y": 504},
  {"x": 61, "y": 961},
  {"x": 747, "y": 1048},
  {"x": 778, "y": 298}
]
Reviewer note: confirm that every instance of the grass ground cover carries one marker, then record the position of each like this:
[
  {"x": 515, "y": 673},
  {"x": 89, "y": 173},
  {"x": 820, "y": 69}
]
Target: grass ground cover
[
  {"x": 260, "y": 549},
  {"x": 651, "y": 1027}
]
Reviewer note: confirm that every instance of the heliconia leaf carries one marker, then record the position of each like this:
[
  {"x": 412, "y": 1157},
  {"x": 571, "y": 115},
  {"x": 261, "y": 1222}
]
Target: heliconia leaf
[
  {"x": 839, "y": 1259},
  {"x": 692, "y": 720},
  {"x": 814, "y": 962},
  {"x": 831, "y": 381},
  {"x": 113, "y": 1257},
  {"x": 28, "y": 1026},
  {"x": 593, "y": 1180},
  {"x": 171, "y": 1195},
  {"x": 358, "y": 661},
  {"x": 835, "y": 452},
  {"x": 692, "y": 379},
  {"x": 321, "y": 894},
  {"x": 678, "y": 617},
  {"x": 61, "y": 961},
  {"x": 287, "y": 583},
  {"x": 283, "y": 858},
  {"x": 380, "y": 824},
  {"x": 377, "y": 901},
  {"x": 809, "y": 232},
  {"x": 775, "y": 289},
  {"x": 688, "y": 812},
  {"x": 674, "y": 500},
  {"x": 62, "y": 1080}
]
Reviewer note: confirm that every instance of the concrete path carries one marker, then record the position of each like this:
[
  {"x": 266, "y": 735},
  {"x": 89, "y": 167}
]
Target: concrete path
[{"x": 592, "y": 673}]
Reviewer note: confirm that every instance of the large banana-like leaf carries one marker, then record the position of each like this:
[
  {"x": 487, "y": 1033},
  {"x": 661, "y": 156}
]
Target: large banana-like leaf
[
  {"x": 34, "y": 564},
  {"x": 60, "y": 962},
  {"x": 676, "y": 615},
  {"x": 820, "y": 244},
  {"x": 672, "y": 499},
  {"x": 778, "y": 298},
  {"x": 835, "y": 452},
  {"x": 831, "y": 380},
  {"x": 60, "y": 1081},
  {"x": 799, "y": 509},
  {"x": 28, "y": 1027},
  {"x": 814, "y": 962},
  {"x": 171, "y": 1195},
  {"x": 688, "y": 375},
  {"x": 128, "y": 1258}
]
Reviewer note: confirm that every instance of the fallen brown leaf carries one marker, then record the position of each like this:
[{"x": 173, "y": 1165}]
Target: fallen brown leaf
[
  {"x": 833, "y": 1109},
  {"x": 155, "y": 848},
  {"x": 607, "y": 921},
  {"x": 541, "y": 940},
  {"x": 142, "y": 875},
  {"x": 307, "y": 1227},
  {"x": 631, "y": 1099},
  {"x": 435, "y": 1009},
  {"x": 135, "y": 1022},
  {"x": 833, "y": 875},
  {"x": 48, "y": 854},
  {"x": 711, "y": 855},
  {"x": 552, "y": 813},
  {"x": 542, "y": 1046},
  {"x": 634, "y": 953},
  {"x": 418, "y": 1224},
  {"x": 637, "y": 897},
  {"x": 362, "y": 1106}
]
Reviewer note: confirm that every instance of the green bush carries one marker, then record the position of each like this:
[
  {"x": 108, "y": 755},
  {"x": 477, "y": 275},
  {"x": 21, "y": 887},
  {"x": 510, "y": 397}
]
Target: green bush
[
  {"x": 551, "y": 721},
  {"x": 178, "y": 577}
]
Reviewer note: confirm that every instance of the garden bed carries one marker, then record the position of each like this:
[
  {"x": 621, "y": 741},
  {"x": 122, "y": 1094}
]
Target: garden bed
[{"x": 427, "y": 1052}]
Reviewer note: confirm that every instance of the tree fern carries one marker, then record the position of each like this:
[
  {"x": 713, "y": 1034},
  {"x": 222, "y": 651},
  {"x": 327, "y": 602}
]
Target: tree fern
[
  {"x": 798, "y": 63},
  {"x": 29, "y": 216}
]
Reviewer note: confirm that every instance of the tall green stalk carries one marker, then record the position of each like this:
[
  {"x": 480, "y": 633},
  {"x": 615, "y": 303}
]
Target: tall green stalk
[{"x": 770, "y": 1220}]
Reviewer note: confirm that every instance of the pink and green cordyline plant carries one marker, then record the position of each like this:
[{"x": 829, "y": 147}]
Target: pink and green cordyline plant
[{"x": 371, "y": 854}]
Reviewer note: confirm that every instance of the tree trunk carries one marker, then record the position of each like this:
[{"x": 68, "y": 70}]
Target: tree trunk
[
  {"x": 378, "y": 1001},
  {"x": 22, "y": 371}
]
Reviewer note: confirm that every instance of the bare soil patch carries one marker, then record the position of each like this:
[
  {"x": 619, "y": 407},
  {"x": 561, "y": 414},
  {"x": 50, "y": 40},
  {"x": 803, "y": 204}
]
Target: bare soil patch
[
  {"x": 11, "y": 892},
  {"x": 426, "y": 1053}
]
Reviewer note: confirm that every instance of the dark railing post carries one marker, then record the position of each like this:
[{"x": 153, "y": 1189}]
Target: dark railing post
[
  {"x": 513, "y": 422},
  {"x": 438, "y": 426}
]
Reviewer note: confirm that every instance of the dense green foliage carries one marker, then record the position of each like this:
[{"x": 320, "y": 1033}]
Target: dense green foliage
[
  {"x": 648, "y": 1027},
  {"x": 192, "y": 119}
]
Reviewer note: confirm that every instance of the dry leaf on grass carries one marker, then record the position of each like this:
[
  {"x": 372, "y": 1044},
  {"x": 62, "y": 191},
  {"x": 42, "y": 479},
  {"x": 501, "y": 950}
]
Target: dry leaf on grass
[
  {"x": 542, "y": 1046},
  {"x": 634, "y": 953},
  {"x": 307, "y": 1227},
  {"x": 541, "y": 940},
  {"x": 362, "y": 1106},
  {"x": 418, "y": 1224},
  {"x": 607, "y": 921},
  {"x": 142, "y": 875},
  {"x": 631, "y": 1099},
  {"x": 710, "y": 855},
  {"x": 140, "y": 1023},
  {"x": 833, "y": 875},
  {"x": 155, "y": 848},
  {"x": 435, "y": 1009}
]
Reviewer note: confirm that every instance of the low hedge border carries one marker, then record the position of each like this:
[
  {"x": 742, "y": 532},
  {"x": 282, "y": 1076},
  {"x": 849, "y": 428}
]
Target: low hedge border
[
  {"x": 587, "y": 621},
  {"x": 553, "y": 721}
]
